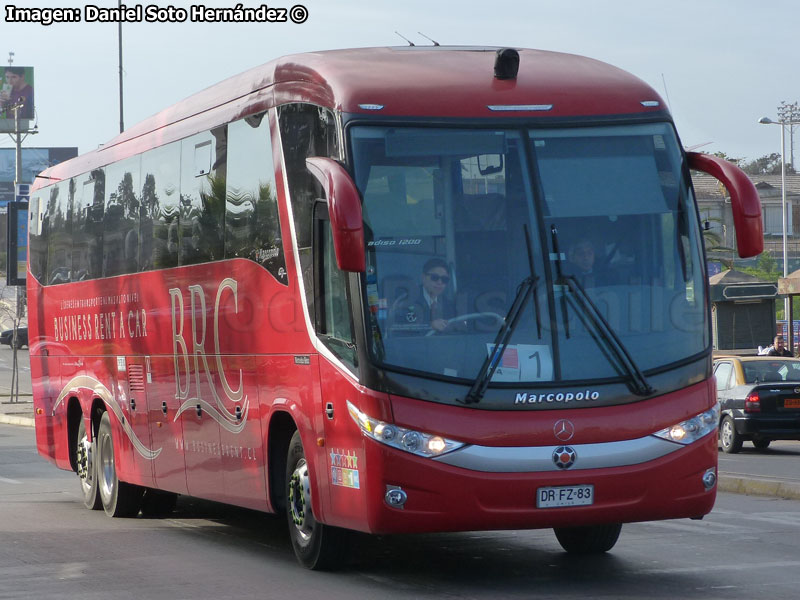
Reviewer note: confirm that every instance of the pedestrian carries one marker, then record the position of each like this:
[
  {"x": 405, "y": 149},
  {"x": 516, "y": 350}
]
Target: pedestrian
[{"x": 778, "y": 348}]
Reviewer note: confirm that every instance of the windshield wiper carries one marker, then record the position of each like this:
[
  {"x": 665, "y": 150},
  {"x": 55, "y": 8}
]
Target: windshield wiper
[
  {"x": 636, "y": 380},
  {"x": 510, "y": 323}
]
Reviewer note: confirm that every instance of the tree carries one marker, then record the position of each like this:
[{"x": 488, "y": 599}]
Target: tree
[
  {"x": 766, "y": 268},
  {"x": 769, "y": 164},
  {"x": 724, "y": 156}
]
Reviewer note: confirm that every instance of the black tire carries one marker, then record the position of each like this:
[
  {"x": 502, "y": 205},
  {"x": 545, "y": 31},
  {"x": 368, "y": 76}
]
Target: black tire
[
  {"x": 120, "y": 499},
  {"x": 316, "y": 546},
  {"x": 730, "y": 441},
  {"x": 595, "y": 539},
  {"x": 85, "y": 454},
  {"x": 157, "y": 503},
  {"x": 761, "y": 443}
]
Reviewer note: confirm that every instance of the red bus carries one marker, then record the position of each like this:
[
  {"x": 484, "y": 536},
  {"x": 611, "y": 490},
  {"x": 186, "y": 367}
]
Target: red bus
[{"x": 386, "y": 290}]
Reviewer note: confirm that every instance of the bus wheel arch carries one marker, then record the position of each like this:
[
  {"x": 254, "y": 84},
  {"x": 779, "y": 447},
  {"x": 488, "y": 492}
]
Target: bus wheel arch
[
  {"x": 74, "y": 417},
  {"x": 281, "y": 429}
]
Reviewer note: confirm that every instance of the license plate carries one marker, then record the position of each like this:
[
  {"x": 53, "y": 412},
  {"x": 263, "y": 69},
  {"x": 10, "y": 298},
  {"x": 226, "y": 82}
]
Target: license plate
[
  {"x": 568, "y": 495},
  {"x": 791, "y": 403}
]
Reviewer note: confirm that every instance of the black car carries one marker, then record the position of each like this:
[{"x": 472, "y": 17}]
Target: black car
[
  {"x": 759, "y": 398},
  {"x": 7, "y": 336}
]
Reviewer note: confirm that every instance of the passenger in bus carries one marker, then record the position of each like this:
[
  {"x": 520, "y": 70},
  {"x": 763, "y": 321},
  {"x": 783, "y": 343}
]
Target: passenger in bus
[{"x": 582, "y": 266}]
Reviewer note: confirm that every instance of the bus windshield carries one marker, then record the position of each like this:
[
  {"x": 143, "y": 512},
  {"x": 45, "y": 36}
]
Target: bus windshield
[{"x": 587, "y": 237}]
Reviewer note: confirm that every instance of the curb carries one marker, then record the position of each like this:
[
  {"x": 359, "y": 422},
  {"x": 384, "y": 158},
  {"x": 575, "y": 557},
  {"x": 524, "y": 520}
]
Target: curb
[
  {"x": 759, "y": 486},
  {"x": 16, "y": 420}
]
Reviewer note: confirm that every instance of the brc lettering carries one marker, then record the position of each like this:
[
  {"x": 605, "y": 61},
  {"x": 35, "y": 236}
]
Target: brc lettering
[{"x": 180, "y": 347}]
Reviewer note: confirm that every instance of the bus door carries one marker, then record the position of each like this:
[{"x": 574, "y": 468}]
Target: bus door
[
  {"x": 202, "y": 444},
  {"x": 166, "y": 430},
  {"x": 343, "y": 452},
  {"x": 242, "y": 445},
  {"x": 135, "y": 410}
]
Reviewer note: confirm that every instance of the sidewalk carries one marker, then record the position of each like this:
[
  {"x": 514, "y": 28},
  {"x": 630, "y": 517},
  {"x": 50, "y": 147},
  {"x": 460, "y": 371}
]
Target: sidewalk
[
  {"x": 16, "y": 413},
  {"x": 757, "y": 485}
]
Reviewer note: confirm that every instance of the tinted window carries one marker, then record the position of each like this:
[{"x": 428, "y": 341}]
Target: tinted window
[
  {"x": 59, "y": 257},
  {"x": 334, "y": 321},
  {"x": 160, "y": 207},
  {"x": 306, "y": 130},
  {"x": 87, "y": 226},
  {"x": 121, "y": 218},
  {"x": 37, "y": 231},
  {"x": 252, "y": 226},
  {"x": 202, "y": 210}
]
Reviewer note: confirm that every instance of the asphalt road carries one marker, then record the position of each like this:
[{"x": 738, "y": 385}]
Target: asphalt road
[
  {"x": 6, "y": 371},
  {"x": 780, "y": 460},
  {"x": 51, "y": 547}
]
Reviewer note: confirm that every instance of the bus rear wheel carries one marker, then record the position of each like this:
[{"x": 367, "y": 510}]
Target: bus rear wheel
[
  {"x": 120, "y": 499},
  {"x": 595, "y": 539},
  {"x": 317, "y": 546},
  {"x": 85, "y": 453}
]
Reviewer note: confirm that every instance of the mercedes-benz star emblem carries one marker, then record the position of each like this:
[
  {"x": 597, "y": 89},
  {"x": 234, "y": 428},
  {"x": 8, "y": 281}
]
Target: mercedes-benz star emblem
[
  {"x": 564, "y": 457},
  {"x": 564, "y": 430}
]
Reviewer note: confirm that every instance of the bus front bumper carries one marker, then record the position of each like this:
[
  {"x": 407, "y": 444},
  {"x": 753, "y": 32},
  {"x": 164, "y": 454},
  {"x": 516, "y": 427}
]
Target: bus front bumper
[{"x": 408, "y": 494}]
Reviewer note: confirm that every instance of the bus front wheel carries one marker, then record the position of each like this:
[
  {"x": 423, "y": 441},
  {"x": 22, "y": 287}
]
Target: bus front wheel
[
  {"x": 120, "y": 499},
  {"x": 595, "y": 539},
  {"x": 317, "y": 546}
]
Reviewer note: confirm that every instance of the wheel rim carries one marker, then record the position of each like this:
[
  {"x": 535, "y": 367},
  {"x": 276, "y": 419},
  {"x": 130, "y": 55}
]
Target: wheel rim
[
  {"x": 85, "y": 460},
  {"x": 727, "y": 434},
  {"x": 299, "y": 502},
  {"x": 107, "y": 474}
]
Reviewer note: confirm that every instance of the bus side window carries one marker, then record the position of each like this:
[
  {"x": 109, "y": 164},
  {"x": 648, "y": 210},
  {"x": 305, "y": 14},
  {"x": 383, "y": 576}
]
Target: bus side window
[
  {"x": 160, "y": 205},
  {"x": 252, "y": 225},
  {"x": 94, "y": 198},
  {"x": 306, "y": 130},
  {"x": 59, "y": 251},
  {"x": 37, "y": 228},
  {"x": 333, "y": 320},
  {"x": 121, "y": 218},
  {"x": 202, "y": 213}
]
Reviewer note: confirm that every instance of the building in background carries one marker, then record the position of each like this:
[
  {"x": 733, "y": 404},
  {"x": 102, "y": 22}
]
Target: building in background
[{"x": 715, "y": 206}]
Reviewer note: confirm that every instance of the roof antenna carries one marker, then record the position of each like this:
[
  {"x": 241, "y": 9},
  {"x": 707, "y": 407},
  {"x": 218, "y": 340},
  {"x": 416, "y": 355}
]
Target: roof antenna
[
  {"x": 410, "y": 43},
  {"x": 435, "y": 43}
]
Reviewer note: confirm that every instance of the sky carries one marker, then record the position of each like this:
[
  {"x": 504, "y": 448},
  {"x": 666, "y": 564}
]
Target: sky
[{"x": 720, "y": 64}]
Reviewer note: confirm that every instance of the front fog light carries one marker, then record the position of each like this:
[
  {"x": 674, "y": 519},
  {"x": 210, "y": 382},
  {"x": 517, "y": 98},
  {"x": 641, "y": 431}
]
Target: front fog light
[
  {"x": 415, "y": 442},
  {"x": 693, "y": 429},
  {"x": 710, "y": 478}
]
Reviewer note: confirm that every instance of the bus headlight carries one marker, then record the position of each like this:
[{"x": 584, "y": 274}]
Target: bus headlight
[
  {"x": 692, "y": 429},
  {"x": 409, "y": 440}
]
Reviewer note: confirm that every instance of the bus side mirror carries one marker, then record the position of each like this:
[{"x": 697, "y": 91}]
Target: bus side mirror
[
  {"x": 344, "y": 208},
  {"x": 745, "y": 203}
]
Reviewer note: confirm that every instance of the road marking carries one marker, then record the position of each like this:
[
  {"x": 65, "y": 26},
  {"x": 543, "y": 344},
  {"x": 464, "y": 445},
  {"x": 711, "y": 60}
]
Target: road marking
[
  {"x": 11, "y": 481},
  {"x": 705, "y": 568}
]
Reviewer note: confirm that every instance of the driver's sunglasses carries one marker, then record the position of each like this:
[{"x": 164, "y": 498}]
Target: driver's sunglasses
[{"x": 435, "y": 277}]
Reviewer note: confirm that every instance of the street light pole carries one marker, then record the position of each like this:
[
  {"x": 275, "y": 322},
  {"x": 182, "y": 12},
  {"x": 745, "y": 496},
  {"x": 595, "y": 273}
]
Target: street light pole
[{"x": 787, "y": 301}]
